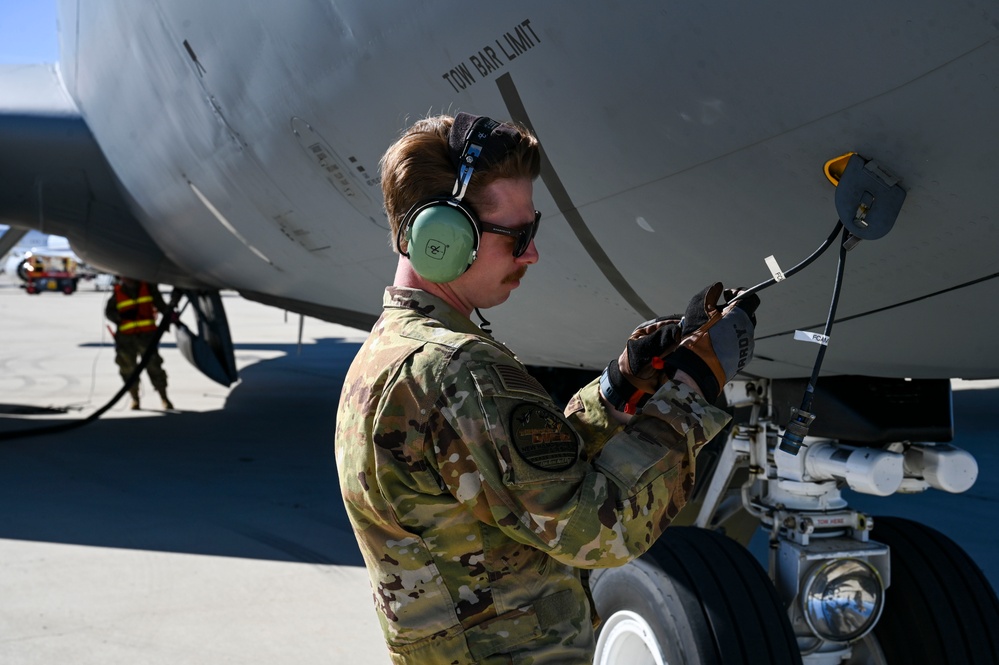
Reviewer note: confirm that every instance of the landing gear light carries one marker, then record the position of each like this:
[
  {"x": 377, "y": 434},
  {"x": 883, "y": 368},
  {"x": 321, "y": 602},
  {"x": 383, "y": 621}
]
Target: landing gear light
[{"x": 843, "y": 599}]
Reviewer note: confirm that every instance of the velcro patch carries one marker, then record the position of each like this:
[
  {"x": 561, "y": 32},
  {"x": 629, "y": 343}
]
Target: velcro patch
[{"x": 543, "y": 438}]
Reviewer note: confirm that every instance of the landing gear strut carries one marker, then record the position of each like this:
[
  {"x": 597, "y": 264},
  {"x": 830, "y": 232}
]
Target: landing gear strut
[{"x": 844, "y": 588}]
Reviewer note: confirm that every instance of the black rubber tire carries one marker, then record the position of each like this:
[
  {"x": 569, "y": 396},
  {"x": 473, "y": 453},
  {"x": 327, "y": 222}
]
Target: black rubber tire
[
  {"x": 706, "y": 599},
  {"x": 939, "y": 608}
]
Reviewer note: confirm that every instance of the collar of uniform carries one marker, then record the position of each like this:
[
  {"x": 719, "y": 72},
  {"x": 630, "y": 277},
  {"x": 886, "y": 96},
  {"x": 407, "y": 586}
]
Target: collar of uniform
[{"x": 405, "y": 297}]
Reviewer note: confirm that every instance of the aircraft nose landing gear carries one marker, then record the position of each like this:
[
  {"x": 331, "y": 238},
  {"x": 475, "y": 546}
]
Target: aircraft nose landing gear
[{"x": 844, "y": 588}]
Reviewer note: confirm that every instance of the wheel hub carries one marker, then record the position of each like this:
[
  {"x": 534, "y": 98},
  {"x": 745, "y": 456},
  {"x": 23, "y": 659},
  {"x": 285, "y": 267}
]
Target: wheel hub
[{"x": 627, "y": 639}]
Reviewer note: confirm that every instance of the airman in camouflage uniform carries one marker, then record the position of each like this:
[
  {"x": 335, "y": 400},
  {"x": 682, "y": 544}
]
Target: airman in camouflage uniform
[{"x": 476, "y": 502}]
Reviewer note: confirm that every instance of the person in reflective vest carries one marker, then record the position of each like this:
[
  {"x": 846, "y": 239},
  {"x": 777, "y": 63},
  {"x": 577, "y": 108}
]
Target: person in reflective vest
[{"x": 133, "y": 309}]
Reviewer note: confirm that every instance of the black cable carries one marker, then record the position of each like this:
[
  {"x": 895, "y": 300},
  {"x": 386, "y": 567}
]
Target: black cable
[
  {"x": 483, "y": 323},
  {"x": 806, "y": 403},
  {"x": 826, "y": 244},
  {"x": 147, "y": 357},
  {"x": 801, "y": 420}
]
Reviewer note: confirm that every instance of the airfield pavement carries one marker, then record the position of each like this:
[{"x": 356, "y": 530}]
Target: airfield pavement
[
  {"x": 211, "y": 534},
  {"x": 215, "y": 533}
]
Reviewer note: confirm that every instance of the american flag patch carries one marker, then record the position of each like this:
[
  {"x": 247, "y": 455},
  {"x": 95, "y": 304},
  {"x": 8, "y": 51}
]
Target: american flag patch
[{"x": 517, "y": 380}]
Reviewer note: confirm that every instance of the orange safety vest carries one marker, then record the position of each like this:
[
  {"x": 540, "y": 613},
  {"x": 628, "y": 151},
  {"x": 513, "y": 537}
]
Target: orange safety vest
[{"x": 137, "y": 314}]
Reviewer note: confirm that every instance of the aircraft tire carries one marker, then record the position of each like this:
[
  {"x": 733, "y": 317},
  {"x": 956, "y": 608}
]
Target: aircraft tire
[
  {"x": 940, "y": 608},
  {"x": 695, "y": 598}
]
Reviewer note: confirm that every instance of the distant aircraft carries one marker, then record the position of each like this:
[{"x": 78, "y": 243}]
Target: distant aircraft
[
  {"x": 13, "y": 244},
  {"x": 225, "y": 145}
]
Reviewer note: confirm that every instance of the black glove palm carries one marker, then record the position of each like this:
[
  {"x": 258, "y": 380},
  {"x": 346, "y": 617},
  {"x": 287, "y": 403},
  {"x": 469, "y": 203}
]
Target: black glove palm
[{"x": 639, "y": 370}]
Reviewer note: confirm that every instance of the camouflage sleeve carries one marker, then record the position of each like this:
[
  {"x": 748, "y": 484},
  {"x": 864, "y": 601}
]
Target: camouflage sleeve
[
  {"x": 505, "y": 451},
  {"x": 590, "y": 418}
]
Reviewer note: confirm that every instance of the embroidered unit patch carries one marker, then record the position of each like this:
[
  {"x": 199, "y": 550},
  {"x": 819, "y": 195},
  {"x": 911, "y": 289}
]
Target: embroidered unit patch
[{"x": 543, "y": 438}]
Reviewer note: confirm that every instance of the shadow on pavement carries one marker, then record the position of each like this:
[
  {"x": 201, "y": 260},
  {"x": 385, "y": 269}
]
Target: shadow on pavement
[{"x": 255, "y": 479}]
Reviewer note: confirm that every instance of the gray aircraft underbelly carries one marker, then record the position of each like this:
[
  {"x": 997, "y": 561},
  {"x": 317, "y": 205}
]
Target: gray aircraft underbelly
[{"x": 684, "y": 144}]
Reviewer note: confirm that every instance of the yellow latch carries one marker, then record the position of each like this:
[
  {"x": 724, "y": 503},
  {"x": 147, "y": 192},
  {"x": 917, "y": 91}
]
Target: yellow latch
[{"x": 834, "y": 167}]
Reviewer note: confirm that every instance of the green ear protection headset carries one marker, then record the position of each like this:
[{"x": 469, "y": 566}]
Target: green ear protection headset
[{"x": 443, "y": 233}]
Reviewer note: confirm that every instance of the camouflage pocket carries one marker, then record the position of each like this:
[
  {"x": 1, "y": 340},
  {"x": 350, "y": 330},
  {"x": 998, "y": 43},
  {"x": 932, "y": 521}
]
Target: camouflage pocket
[
  {"x": 447, "y": 646},
  {"x": 411, "y": 593},
  {"x": 503, "y": 633},
  {"x": 625, "y": 459},
  {"x": 545, "y": 621}
]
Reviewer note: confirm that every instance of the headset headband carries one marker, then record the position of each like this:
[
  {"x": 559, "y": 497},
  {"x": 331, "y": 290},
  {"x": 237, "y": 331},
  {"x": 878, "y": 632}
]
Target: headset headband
[
  {"x": 474, "y": 139},
  {"x": 474, "y": 142}
]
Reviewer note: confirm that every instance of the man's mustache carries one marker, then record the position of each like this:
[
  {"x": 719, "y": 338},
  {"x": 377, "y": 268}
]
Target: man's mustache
[{"x": 516, "y": 276}]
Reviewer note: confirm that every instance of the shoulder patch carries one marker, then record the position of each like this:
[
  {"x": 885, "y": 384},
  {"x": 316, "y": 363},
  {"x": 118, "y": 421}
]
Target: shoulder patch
[{"x": 543, "y": 438}]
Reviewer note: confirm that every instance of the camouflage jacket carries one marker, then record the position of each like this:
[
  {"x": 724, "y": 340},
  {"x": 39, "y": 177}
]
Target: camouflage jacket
[{"x": 475, "y": 502}]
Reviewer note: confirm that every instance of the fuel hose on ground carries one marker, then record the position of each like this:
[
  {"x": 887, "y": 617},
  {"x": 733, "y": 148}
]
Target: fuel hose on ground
[{"x": 132, "y": 379}]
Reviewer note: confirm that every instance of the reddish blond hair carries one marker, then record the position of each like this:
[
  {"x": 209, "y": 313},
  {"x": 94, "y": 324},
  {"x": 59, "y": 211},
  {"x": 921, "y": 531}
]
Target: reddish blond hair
[{"x": 418, "y": 167}]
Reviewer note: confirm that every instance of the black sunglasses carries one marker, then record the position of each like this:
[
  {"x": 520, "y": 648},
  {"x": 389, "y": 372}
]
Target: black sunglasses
[{"x": 523, "y": 235}]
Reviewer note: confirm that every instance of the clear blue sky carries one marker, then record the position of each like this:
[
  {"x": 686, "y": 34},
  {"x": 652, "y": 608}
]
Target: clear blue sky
[{"x": 28, "y": 32}]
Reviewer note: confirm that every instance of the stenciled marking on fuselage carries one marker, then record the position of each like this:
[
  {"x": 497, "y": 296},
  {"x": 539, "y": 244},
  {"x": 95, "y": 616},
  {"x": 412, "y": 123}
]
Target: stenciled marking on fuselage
[{"x": 492, "y": 57}]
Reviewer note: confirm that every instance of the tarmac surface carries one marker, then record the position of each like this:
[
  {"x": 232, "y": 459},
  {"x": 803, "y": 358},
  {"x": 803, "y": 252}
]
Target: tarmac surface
[
  {"x": 215, "y": 533},
  {"x": 210, "y": 534}
]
